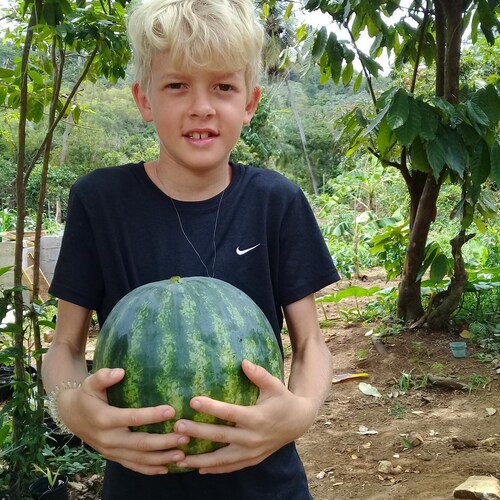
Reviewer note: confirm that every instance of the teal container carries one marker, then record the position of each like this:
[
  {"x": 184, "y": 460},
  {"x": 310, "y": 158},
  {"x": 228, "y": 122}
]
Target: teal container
[{"x": 458, "y": 349}]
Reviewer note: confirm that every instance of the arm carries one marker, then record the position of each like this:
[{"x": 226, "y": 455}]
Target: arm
[
  {"x": 85, "y": 410},
  {"x": 281, "y": 415}
]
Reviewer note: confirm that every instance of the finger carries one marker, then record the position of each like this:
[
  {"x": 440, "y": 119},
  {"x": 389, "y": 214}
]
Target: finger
[
  {"x": 136, "y": 417},
  {"x": 261, "y": 377},
  {"x": 104, "y": 378},
  {"x": 144, "y": 441},
  {"x": 150, "y": 463},
  {"x": 211, "y": 432},
  {"x": 228, "y": 459}
]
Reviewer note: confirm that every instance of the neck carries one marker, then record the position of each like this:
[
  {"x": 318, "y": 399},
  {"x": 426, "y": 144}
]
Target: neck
[{"x": 193, "y": 187}]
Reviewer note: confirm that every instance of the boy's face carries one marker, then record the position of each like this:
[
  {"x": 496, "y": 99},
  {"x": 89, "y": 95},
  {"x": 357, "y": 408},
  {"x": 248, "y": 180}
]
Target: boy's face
[{"x": 198, "y": 114}]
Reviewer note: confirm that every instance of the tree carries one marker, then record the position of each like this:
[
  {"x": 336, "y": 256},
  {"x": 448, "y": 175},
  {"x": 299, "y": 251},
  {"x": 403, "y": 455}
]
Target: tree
[
  {"x": 430, "y": 139},
  {"x": 51, "y": 35}
]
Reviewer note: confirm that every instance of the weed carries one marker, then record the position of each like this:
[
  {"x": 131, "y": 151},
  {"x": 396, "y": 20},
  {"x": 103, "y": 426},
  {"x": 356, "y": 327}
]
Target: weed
[
  {"x": 361, "y": 354},
  {"x": 438, "y": 368},
  {"x": 477, "y": 381},
  {"x": 397, "y": 410},
  {"x": 404, "y": 382}
]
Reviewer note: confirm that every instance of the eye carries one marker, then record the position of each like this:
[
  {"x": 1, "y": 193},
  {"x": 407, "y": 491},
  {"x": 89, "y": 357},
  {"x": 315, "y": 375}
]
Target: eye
[
  {"x": 225, "y": 87},
  {"x": 175, "y": 85}
]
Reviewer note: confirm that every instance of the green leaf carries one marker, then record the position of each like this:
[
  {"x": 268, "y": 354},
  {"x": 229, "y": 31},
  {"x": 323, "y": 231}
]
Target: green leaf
[
  {"x": 476, "y": 114},
  {"x": 357, "y": 82},
  {"x": 288, "y": 11},
  {"x": 436, "y": 153},
  {"x": 347, "y": 74},
  {"x": 456, "y": 154},
  {"x": 335, "y": 56},
  {"x": 399, "y": 110},
  {"x": 439, "y": 268},
  {"x": 373, "y": 67},
  {"x": 6, "y": 72},
  {"x": 301, "y": 33},
  {"x": 312, "y": 4},
  {"x": 419, "y": 156},
  {"x": 385, "y": 138},
  {"x": 480, "y": 166},
  {"x": 376, "y": 120},
  {"x": 319, "y": 44},
  {"x": 411, "y": 127},
  {"x": 429, "y": 125}
]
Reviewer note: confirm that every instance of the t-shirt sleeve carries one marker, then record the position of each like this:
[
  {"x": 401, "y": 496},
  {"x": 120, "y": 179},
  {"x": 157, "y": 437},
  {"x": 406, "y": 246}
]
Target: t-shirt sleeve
[
  {"x": 306, "y": 265},
  {"x": 77, "y": 276}
]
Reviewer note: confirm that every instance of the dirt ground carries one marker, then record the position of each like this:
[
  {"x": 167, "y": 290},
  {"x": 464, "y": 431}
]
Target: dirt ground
[{"x": 434, "y": 437}]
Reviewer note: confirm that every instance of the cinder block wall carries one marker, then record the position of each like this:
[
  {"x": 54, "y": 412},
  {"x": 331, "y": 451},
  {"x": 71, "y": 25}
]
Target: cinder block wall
[{"x": 49, "y": 252}]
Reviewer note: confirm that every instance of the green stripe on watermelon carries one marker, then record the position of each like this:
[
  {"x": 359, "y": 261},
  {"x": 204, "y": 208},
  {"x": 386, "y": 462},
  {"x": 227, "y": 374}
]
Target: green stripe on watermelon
[{"x": 180, "y": 338}]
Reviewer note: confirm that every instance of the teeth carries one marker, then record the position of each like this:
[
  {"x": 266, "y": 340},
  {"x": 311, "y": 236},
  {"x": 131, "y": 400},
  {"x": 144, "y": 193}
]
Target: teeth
[{"x": 196, "y": 135}]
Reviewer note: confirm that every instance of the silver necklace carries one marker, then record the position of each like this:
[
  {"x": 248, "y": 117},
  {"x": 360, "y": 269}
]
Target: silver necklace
[{"x": 214, "y": 243}]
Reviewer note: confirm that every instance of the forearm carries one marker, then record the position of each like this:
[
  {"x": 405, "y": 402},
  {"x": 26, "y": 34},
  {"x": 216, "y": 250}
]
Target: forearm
[
  {"x": 65, "y": 359},
  {"x": 62, "y": 364},
  {"x": 311, "y": 370},
  {"x": 311, "y": 373}
]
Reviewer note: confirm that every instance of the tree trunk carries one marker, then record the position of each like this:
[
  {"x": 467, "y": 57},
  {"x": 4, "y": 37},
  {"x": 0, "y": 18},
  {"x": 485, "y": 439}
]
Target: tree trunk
[
  {"x": 409, "y": 298},
  {"x": 302, "y": 134},
  {"x": 453, "y": 10},
  {"x": 446, "y": 302}
]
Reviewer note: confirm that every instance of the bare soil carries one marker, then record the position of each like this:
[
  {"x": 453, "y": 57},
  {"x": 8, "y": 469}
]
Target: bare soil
[{"x": 434, "y": 437}]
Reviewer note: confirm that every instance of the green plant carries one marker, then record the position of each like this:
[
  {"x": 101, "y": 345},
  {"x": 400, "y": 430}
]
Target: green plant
[
  {"x": 192, "y": 334},
  {"x": 438, "y": 368},
  {"x": 477, "y": 381},
  {"x": 52, "y": 477},
  {"x": 74, "y": 460},
  {"x": 361, "y": 354},
  {"x": 404, "y": 381},
  {"x": 397, "y": 410}
]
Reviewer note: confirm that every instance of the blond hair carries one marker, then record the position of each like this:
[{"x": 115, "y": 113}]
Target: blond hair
[{"x": 210, "y": 34}]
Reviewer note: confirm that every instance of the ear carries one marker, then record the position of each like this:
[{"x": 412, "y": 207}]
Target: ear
[
  {"x": 142, "y": 102},
  {"x": 252, "y": 104}
]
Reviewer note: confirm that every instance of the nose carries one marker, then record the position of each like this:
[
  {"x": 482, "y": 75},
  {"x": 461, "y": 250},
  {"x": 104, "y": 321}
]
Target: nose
[{"x": 201, "y": 104}]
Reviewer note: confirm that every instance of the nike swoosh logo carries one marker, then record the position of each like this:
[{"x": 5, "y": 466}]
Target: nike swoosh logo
[{"x": 246, "y": 250}]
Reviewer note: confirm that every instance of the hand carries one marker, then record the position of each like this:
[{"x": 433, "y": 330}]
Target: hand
[
  {"x": 278, "y": 418},
  {"x": 87, "y": 413}
]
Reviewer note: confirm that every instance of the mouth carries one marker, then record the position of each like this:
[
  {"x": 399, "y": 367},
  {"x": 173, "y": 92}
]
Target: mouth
[{"x": 200, "y": 135}]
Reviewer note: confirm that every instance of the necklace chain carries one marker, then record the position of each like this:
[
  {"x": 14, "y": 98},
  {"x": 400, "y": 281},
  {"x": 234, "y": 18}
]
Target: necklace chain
[{"x": 214, "y": 243}]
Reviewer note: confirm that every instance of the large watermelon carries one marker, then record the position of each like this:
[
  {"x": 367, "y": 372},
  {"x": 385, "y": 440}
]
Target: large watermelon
[{"x": 181, "y": 338}]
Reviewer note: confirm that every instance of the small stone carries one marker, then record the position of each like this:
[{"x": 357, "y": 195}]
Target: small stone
[
  {"x": 385, "y": 467},
  {"x": 415, "y": 439},
  {"x": 479, "y": 487}
]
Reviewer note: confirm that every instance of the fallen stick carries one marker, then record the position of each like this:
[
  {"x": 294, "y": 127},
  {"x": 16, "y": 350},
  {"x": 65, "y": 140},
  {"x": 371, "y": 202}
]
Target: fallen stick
[{"x": 448, "y": 383}]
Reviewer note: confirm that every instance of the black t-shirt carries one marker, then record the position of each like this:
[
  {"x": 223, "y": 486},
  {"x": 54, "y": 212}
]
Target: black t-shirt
[{"x": 122, "y": 232}]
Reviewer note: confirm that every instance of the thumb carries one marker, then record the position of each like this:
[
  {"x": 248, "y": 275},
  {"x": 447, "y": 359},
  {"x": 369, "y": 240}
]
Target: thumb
[
  {"x": 104, "y": 378},
  {"x": 261, "y": 377}
]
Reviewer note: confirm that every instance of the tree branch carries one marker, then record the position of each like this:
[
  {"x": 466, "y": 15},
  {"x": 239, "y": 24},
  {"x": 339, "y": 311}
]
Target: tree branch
[{"x": 61, "y": 114}]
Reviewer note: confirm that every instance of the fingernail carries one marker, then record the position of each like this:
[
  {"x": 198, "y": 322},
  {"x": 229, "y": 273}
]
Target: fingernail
[
  {"x": 168, "y": 414},
  {"x": 177, "y": 457},
  {"x": 116, "y": 372},
  {"x": 195, "y": 404},
  {"x": 183, "y": 440},
  {"x": 250, "y": 365},
  {"x": 181, "y": 428},
  {"x": 182, "y": 464}
]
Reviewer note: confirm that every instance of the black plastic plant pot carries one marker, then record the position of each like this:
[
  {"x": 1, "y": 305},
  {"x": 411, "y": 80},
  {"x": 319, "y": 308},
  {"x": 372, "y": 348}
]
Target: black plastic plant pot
[
  {"x": 12, "y": 493},
  {"x": 40, "y": 488},
  {"x": 58, "y": 439},
  {"x": 7, "y": 377}
]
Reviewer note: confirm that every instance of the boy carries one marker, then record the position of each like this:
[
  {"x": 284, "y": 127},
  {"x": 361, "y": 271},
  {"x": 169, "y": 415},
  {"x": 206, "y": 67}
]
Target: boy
[{"x": 189, "y": 213}]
